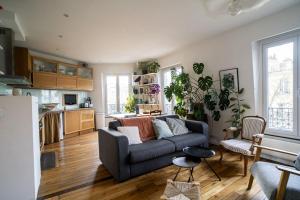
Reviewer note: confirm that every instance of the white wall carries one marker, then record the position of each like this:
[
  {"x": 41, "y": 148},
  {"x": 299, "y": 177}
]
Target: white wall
[
  {"x": 19, "y": 148},
  {"x": 98, "y": 73},
  {"x": 233, "y": 49}
]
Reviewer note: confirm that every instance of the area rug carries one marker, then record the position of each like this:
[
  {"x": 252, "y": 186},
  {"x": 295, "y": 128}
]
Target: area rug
[{"x": 48, "y": 160}]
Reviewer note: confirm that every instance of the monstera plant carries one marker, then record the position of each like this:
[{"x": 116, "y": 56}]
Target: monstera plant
[
  {"x": 214, "y": 101},
  {"x": 197, "y": 92}
]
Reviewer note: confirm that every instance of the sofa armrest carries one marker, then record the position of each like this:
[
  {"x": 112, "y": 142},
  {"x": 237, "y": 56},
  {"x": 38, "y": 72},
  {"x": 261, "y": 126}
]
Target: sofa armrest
[
  {"x": 197, "y": 126},
  {"x": 113, "y": 153}
]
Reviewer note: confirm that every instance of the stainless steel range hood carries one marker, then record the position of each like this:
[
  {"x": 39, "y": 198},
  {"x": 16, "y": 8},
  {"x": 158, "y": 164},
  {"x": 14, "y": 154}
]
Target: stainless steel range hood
[
  {"x": 15, "y": 81},
  {"x": 7, "y": 67}
]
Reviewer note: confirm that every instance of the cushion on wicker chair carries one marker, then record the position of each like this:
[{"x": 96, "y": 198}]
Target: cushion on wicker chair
[{"x": 238, "y": 146}]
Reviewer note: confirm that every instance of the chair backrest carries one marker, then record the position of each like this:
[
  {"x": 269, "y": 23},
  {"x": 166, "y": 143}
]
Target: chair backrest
[{"x": 252, "y": 125}]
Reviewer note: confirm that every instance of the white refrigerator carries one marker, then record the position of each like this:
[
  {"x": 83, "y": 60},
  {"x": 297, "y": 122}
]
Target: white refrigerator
[{"x": 20, "y": 170}]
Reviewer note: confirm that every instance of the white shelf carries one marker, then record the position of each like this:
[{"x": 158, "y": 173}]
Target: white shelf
[
  {"x": 149, "y": 74},
  {"x": 144, "y": 85}
]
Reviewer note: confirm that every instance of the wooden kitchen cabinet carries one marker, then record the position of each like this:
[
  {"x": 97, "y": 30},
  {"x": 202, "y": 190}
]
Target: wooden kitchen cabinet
[
  {"x": 66, "y": 82},
  {"x": 76, "y": 121},
  {"x": 87, "y": 119},
  {"x": 45, "y": 80},
  {"x": 84, "y": 84},
  {"x": 72, "y": 121}
]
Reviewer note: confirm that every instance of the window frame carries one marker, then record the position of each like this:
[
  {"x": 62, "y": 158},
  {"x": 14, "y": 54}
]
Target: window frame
[
  {"x": 163, "y": 98},
  {"x": 294, "y": 37},
  {"x": 117, "y": 90}
]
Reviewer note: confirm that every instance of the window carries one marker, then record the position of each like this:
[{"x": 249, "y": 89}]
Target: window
[
  {"x": 166, "y": 81},
  {"x": 116, "y": 92},
  {"x": 280, "y": 84},
  {"x": 284, "y": 87}
]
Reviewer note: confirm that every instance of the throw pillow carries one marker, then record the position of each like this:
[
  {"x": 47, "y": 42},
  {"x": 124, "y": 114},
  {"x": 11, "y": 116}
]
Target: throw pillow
[
  {"x": 132, "y": 133},
  {"x": 297, "y": 162},
  {"x": 145, "y": 126},
  {"x": 177, "y": 126},
  {"x": 161, "y": 129}
]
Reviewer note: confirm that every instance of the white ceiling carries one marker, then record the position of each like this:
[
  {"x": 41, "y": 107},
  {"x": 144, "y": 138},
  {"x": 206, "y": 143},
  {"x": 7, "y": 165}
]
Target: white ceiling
[{"x": 115, "y": 31}]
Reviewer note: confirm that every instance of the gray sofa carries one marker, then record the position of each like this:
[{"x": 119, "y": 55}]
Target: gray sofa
[{"x": 124, "y": 161}]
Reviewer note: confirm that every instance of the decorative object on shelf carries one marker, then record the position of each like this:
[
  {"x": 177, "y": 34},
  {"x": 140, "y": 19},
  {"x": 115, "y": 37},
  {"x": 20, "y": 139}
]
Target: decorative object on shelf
[
  {"x": 150, "y": 66},
  {"x": 153, "y": 67},
  {"x": 130, "y": 105},
  {"x": 229, "y": 78},
  {"x": 154, "y": 89}
]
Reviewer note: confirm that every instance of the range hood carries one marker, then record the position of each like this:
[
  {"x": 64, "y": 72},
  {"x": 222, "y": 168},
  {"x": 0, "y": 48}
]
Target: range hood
[{"x": 7, "y": 67}]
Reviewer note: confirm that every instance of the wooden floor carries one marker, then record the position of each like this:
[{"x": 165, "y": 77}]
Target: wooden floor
[{"x": 80, "y": 175}]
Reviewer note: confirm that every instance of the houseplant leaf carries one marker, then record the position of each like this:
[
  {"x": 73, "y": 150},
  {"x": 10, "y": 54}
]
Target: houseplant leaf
[
  {"x": 205, "y": 83},
  {"x": 198, "y": 68}
]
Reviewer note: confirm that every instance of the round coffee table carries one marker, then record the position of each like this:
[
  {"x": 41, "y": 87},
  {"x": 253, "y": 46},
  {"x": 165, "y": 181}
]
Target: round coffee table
[
  {"x": 186, "y": 162},
  {"x": 201, "y": 153}
]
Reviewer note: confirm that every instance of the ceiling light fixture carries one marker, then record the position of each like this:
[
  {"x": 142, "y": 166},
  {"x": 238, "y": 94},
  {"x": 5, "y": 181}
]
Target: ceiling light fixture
[{"x": 232, "y": 7}]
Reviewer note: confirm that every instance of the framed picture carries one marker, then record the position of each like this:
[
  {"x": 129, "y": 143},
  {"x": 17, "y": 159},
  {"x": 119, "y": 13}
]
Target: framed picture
[{"x": 229, "y": 78}]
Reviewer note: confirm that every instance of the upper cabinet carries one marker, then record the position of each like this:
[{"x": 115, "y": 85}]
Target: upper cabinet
[
  {"x": 52, "y": 74},
  {"x": 44, "y": 65},
  {"x": 85, "y": 73},
  {"x": 67, "y": 69}
]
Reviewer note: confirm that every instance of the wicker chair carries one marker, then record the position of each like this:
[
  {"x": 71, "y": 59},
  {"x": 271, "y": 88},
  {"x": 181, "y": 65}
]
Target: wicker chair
[{"x": 251, "y": 133}]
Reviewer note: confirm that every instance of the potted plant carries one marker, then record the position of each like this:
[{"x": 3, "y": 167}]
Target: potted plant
[
  {"x": 238, "y": 108},
  {"x": 197, "y": 93},
  {"x": 153, "y": 67},
  {"x": 130, "y": 105}
]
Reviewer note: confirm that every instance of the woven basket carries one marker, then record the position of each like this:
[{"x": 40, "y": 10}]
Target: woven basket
[{"x": 181, "y": 191}]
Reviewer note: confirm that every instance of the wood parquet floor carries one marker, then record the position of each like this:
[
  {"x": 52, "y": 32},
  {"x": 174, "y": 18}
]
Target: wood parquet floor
[{"x": 80, "y": 175}]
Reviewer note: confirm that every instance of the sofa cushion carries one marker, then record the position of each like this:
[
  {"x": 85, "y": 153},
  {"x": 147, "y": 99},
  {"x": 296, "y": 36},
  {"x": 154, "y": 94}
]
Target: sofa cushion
[
  {"x": 145, "y": 126},
  {"x": 177, "y": 126},
  {"x": 268, "y": 176},
  {"x": 161, "y": 129},
  {"x": 188, "y": 140},
  {"x": 149, "y": 150},
  {"x": 132, "y": 133}
]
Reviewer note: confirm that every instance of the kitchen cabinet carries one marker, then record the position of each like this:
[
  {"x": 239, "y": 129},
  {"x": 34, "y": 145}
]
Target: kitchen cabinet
[
  {"x": 84, "y": 84},
  {"x": 66, "y": 82},
  {"x": 22, "y": 60},
  {"x": 76, "y": 121},
  {"x": 87, "y": 120},
  {"x": 72, "y": 121},
  {"x": 45, "y": 80},
  {"x": 44, "y": 65},
  {"x": 52, "y": 74}
]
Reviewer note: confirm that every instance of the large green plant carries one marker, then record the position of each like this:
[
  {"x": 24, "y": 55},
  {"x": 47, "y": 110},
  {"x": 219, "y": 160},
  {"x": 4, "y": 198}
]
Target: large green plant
[
  {"x": 213, "y": 100},
  {"x": 199, "y": 91},
  {"x": 184, "y": 92}
]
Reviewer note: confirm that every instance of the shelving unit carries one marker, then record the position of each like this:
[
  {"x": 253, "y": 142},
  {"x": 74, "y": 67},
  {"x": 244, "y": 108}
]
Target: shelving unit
[{"x": 142, "y": 85}]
